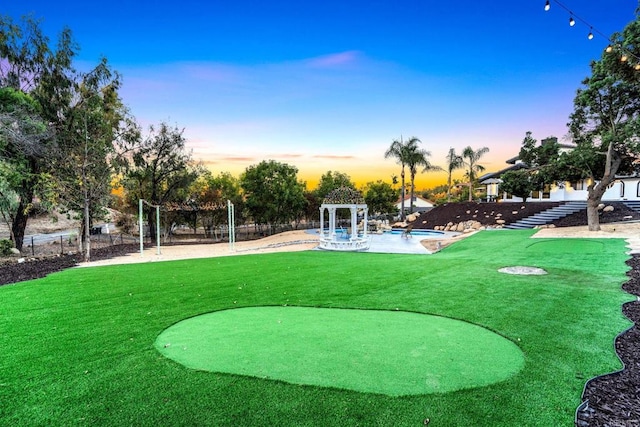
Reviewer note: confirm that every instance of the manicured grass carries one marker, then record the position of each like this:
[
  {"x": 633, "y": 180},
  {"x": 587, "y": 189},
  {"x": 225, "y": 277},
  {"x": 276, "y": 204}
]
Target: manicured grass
[
  {"x": 78, "y": 346},
  {"x": 376, "y": 351}
]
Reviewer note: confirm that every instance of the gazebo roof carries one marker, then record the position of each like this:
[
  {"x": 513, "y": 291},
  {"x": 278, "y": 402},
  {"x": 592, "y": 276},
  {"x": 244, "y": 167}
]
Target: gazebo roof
[{"x": 344, "y": 196}]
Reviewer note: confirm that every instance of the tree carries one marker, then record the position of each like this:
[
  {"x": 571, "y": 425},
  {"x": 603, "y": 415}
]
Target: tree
[
  {"x": 380, "y": 197},
  {"x": 399, "y": 150},
  {"x": 330, "y": 181},
  {"x": 415, "y": 157},
  {"x": 87, "y": 130},
  {"x": 25, "y": 142},
  {"x": 34, "y": 72},
  {"x": 454, "y": 161},
  {"x": 471, "y": 159},
  {"x": 209, "y": 195},
  {"x": 273, "y": 194},
  {"x": 605, "y": 123},
  {"x": 159, "y": 170},
  {"x": 520, "y": 183}
]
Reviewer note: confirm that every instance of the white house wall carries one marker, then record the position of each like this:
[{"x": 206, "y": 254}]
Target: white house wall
[{"x": 620, "y": 190}]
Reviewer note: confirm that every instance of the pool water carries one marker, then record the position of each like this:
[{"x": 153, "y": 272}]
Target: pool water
[{"x": 432, "y": 233}]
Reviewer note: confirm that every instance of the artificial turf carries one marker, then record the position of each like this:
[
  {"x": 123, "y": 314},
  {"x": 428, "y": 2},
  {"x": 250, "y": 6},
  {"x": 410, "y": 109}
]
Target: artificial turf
[
  {"x": 78, "y": 346},
  {"x": 377, "y": 351}
]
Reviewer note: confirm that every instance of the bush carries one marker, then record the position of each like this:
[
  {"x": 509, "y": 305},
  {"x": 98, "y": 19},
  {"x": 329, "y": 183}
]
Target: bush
[{"x": 5, "y": 247}]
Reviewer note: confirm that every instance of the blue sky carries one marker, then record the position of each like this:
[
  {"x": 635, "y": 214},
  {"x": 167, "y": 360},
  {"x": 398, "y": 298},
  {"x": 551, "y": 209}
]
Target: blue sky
[{"x": 328, "y": 85}]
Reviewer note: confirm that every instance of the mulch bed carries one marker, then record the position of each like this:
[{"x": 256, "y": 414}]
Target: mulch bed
[{"x": 610, "y": 400}]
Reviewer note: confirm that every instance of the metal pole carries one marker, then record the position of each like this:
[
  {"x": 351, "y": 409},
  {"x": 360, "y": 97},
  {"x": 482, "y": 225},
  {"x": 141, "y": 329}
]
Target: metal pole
[
  {"x": 158, "y": 228},
  {"x": 232, "y": 227},
  {"x": 140, "y": 225}
]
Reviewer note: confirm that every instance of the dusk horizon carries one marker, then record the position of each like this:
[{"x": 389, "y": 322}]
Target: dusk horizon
[{"x": 329, "y": 86}]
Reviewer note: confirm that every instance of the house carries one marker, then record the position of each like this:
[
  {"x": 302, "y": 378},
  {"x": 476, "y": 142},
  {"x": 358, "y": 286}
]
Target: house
[
  {"x": 420, "y": 204},
  {"x": 624, "y": 188}
]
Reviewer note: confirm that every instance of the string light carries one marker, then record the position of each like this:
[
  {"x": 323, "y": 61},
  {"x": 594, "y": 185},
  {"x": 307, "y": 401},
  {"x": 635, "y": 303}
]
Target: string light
[{"x": 626, "y": 55}]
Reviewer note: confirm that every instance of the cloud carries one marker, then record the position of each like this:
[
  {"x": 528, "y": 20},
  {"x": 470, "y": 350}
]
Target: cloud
[
  {"x": 333, "y": 157},
  {"x": 336, "y": 59}
]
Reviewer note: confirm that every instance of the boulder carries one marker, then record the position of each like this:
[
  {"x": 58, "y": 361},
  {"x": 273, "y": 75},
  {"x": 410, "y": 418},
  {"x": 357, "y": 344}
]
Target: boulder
[
  {"x": 500, "y": 221},
  {"x": 14, "y": 251},
  {"x": 608, "y": 209}
]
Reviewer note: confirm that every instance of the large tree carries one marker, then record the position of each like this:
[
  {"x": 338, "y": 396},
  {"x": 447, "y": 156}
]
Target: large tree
[
  {"x": 87, "y": 130},
  {"x": 380, "y": 197},
  {"x": 454, "y": 161},
  {"x": 417, "y": 157},
  {"x": 159, "y": 170},
  {"x": 605, "y": 124},
  {"x": 208, "y": 197},
  {"x": 471, "y": 159},
  {"x": 331, "y": 180},
  {"x": 400, "y": 150},
  {"x": 273, "y": 194},
  {"x": 29, "y": 66}
]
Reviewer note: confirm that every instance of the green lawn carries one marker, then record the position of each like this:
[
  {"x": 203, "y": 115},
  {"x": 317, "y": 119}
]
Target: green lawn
[{"x": 78, "y": 346}]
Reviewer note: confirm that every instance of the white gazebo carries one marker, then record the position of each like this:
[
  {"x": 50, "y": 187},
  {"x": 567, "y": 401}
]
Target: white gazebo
[{"x": 338, "y": 239}]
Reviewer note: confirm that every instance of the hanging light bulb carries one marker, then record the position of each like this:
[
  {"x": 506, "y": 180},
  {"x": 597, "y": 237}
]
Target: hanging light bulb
[
  {"x": 637, "y": 67},
  {"x": 609, "y": 49},
  {"x": 590, "y": 36},
  {"x": 572, "y": 21},
  {"x": 547, "y": 5},
  {"x": 624, "y": 58}
]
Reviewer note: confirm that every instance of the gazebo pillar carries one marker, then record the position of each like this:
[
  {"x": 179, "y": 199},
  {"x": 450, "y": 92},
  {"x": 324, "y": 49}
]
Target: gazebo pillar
[
  {"x": 354, "y": 222},
  {"x": 321, "y": 221},
  {"x": 365, "y": 224},
  {"x": 332, "y": 222}
]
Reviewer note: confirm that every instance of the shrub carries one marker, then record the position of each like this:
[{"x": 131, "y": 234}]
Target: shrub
[{"x": 5, "y": 247}]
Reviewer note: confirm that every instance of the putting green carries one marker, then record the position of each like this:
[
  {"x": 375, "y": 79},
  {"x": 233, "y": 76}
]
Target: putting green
[{"x": 389, "y": 352}]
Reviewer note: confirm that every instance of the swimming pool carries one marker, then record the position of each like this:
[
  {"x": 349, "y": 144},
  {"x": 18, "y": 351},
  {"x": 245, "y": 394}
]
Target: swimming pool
[{"x": 430, "y": 233}]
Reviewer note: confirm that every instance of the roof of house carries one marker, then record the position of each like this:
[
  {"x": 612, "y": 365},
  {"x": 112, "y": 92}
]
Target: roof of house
[
  {"x": 492, "y": 175},
  {"x": 407, "y": 197}
]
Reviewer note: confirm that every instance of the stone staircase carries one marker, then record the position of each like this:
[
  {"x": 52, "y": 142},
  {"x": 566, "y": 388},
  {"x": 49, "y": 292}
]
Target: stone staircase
[
  {"x": 633, "y": 204},
  {"x": 548, "y": 215}
]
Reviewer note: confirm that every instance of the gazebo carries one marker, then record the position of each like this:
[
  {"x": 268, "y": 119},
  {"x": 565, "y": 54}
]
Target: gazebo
[{"x": 339, "y": 239}]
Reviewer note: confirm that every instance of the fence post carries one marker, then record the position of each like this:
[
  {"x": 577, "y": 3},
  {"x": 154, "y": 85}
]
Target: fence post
[
  {"x": 61, "y": 246},
  {"x": 33, "y": 248}
]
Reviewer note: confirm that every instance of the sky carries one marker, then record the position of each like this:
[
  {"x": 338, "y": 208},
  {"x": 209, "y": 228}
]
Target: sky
[{"x": 328, "y": 85}]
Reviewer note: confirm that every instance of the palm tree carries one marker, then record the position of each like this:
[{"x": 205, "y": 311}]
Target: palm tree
[
  {"x": 454, "y": 162},
  {"x": 398, "y": 150},
  {"x": 417, "y": 157},
  {"x": 471, "y": 161}
]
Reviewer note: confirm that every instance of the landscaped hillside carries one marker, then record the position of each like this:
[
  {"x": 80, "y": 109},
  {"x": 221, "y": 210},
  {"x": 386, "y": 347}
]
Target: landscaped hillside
[{"x": 491, "y": 214}]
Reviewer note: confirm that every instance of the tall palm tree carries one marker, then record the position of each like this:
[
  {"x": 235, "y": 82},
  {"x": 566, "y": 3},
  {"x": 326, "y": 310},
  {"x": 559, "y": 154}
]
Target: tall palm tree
[
  {"x": 471, "y": 159},
  {"x": 416, "y": 157},
  {"x": 454, "y": 161},
  {"x": 398, "y": 150}
]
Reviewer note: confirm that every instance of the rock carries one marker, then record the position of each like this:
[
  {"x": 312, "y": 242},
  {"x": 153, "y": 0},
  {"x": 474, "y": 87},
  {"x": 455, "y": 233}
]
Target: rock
[
  {"x": 468, "y": 230},
  {"x": 608, "y": 209},
  {"x": 460, "y": 227},
  {"x": 514, "y": 213},
  {"x": 627, "y": 217},
  {"x": 14, "y": 251},
  {"x": 600, "y": 206},
  {"x": 468, "y": 212},
  {"x": 21, "y": 260},
  {"x": 500, "y": 221}
]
